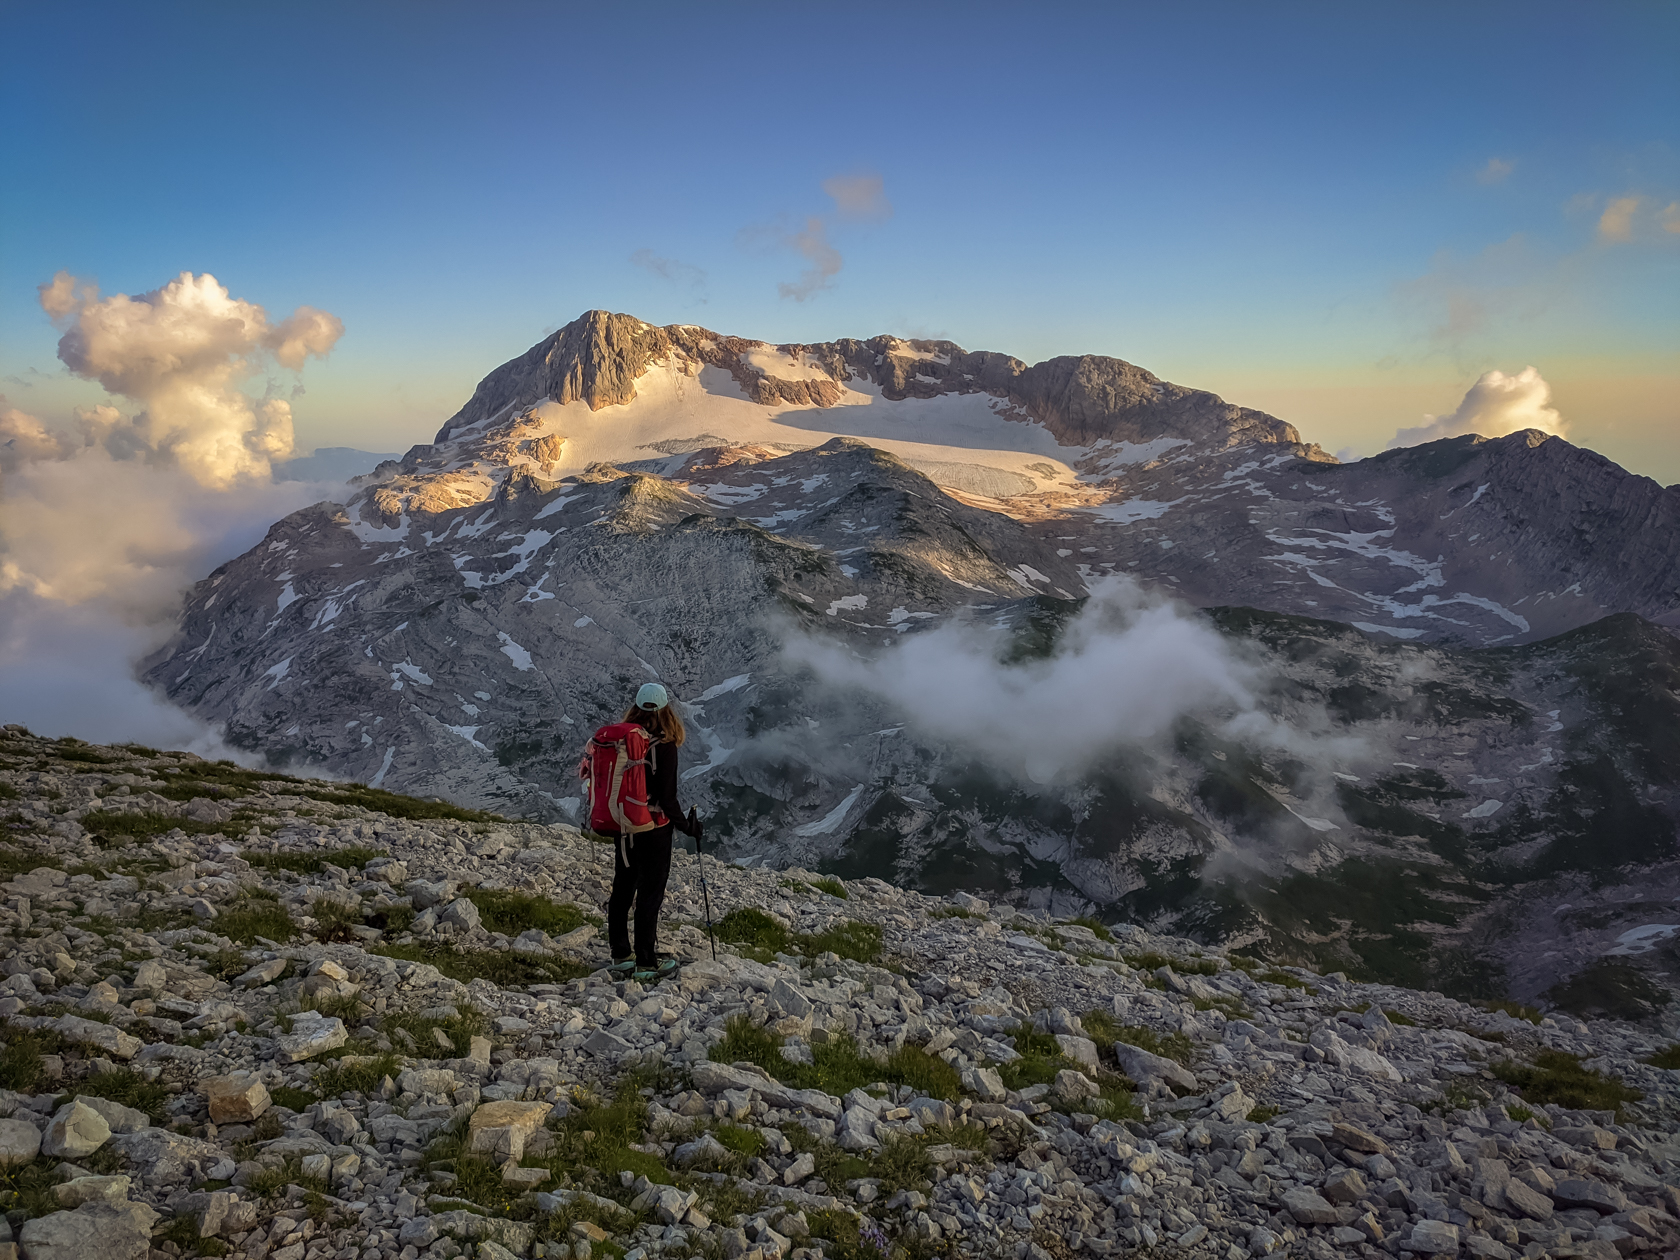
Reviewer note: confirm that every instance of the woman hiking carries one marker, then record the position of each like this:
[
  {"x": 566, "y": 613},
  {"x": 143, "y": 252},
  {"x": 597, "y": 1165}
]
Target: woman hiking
[{"x": 632, "y": 771}]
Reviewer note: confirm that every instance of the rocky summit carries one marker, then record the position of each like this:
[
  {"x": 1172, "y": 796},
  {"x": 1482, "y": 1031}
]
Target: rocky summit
[
  {"x": 1472, "y": 640},
  {"x": 257, "y": 1016}
]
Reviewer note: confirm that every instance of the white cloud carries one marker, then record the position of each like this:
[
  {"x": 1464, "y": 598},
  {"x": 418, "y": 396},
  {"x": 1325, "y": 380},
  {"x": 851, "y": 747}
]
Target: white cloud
[
  {"x": 104, "y": 525},
  {"x": 861, "y": 196},
  {"x": 181, "y": 352},
  {"x": 1495, "y": 171},
  {"x": 1495, "y": 405},
  {"x": 1671, "y": 217},
  {"x": 825, "y": 261},
  {"x": 1616, "y": 223},
  {"x": 1129, "y": 667}
]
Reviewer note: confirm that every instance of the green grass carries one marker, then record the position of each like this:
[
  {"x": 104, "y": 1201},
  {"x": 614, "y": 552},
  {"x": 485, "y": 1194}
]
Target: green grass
[
  {"x": 224, "y": 778},
  {"x": 1522, "y": 1114},
  {"x": 1264, "y": 1113},
  {"x": 334, "y": 920},
  {"x": 831, "y": 886},
  {"x": 127, "y": 1087},
  {"x": 1557, "y": 1077},
  {"x": 510, "y": 913},
  {"x": 21, "y": 1068},
  {"x": 753, "y": 929},
  {"x": 504, "y": 967},
  {"x": 838, "y": 1064},
  {"x": 1610, "y": 989},
  {"x": 291, "y": 1097},
  {"x": 255, "y": 913},
  {"x": 1097, "y": 926},
  {"x": 1514, "y": 1009},
  {"x": 468, "y": 1022},
  {"x": 361, "y": 1077},
  {"x": 748, "y": 1142},
  {"x": 1105, "y": 1030},
  {"x": 1152, "y": 961},
  {"x": 112, "y": 829},
  {"x": 1668, "y": 1058},
  {"x": 394, "y": 805},
  {"x": 315, "y": 862}
]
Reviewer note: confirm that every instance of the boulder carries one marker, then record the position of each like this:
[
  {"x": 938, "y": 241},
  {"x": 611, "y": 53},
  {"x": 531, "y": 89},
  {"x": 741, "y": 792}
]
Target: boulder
[
  {"x": 1072, "y": 1086},
  {"x": 236, "y": 1099},
  {"x": 1151, "y": 1071},
  {"x": 501, "y": 1129},
  {"x": 933, "y": 1113},
  {"x": 1308, "y": 1207},
  {"x": 1571, "y": 1192},
  {"x": 1432, "y": 1238},
  {"x": 76, "y": 1130},
  {"x": 109, "y": 1231},
  {"x": 263, "y": 973},
  {"x": 20, "y": 1142},
  {"x": 310, "y": 1037},
  {"x": 426, "y": 893},
  {"x": 112, "y": 1040},
  {"x": 986, "y": 1084},
  {"x": 80, "y": 1190},
  {"x": 165, "y": 1155},
  {"x": 1082, "y": 1050},
  {"x": 150, "y": 977},
  {"x": 461, "y": 914},
  {"x": 1524, "y": 1200},
  {"x": 121, "y": 1119}
]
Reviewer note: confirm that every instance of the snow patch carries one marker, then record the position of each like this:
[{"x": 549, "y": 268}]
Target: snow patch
[
  {"x": 830, "y": 822},
  {"x": 519, "y": 656}
]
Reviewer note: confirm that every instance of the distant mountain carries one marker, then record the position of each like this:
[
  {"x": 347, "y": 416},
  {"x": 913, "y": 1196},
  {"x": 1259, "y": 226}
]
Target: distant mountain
[
  {"x": 329, "y": 463},
  {"x": 625, "y": 501}
]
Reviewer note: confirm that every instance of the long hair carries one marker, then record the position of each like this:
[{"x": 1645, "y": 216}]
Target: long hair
[{"x": 663, "y": 724}]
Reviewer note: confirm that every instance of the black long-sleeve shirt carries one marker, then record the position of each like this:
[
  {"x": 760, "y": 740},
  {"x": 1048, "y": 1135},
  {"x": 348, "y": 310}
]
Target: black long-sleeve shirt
[{"x": 662, "y": 788}]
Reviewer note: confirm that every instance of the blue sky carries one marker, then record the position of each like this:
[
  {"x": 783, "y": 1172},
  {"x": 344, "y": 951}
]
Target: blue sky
[{"x": 1342, "y": 214}]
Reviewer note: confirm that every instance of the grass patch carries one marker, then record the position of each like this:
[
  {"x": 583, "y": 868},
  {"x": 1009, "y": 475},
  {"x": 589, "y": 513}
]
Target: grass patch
[
  {"x": 255, "y": 913},
  {"x": 394, "y": 805},
  {"x": 510, "y": 913},
  {"x": 467, "y": 1022},
  {"x": 838, "y": 1064},
  {"x": 753, "y": 929},
  {"x": 1514, "y": 1009},
  {"x": 335, "y": 921},
  {"x": 313, "y": 863},
  {"x": 833, "y": 887},
  {"x": 1151, "y": 961},
  {"x": 111, "y": 829},
  {"x": 1105, "y": 1030},
  {"x": 291, "y": 1097},
  {"x": 1668, "y": 1057},
  {"x": 504, "y": 967},
  {"x": 732, "y": 1137},
  {"x": 1561, "y": 1078},
  {"x": 1263, "y": 1113},
  {"x": 361, "y": 1074},
  {"x": 127, "y": 1087},
  {"x": 1400, "y": 1019},
  {"x": 955, "y": 912},
  {"x": 1610, "y": 989},
  {"x": 1098, "y": 928}
]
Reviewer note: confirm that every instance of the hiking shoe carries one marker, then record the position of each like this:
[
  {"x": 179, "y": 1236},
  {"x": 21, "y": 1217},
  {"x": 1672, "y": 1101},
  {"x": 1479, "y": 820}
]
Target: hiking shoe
[
  {"x": 621, "y": 968},
  {"x": 663, "y": 970}
]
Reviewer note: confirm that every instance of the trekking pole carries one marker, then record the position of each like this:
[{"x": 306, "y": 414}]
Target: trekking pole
[{"x": 700, "y": 861}]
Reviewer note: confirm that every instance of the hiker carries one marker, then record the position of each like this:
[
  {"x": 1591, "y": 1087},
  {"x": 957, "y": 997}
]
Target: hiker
[{"x": 633, "y": 802}]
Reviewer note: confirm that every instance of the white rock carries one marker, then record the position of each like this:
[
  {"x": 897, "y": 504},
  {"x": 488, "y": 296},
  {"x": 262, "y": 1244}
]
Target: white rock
[{"x": 75, "y": 1130}]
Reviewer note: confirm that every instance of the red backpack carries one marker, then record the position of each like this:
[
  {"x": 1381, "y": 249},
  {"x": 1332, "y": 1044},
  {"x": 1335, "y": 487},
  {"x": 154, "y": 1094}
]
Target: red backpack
[{"x": 615, "y": 769}]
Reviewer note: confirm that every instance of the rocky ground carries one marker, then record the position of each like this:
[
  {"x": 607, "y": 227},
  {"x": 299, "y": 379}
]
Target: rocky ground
[{"x": 256, "y": 1017}]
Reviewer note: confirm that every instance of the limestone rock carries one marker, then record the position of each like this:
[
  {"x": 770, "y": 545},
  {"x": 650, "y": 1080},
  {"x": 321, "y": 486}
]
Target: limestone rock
[
  {"x": 310, "y": 1037},
  {"x": 20, "y": 1142},
  {"x": 236, "y": 1099},
  {"x": 109, "y": 1231},
  {"x": 75, "y": 1130},
  {"x": 80, "y": 1190},
  {"x": 501, "y": 1129}
]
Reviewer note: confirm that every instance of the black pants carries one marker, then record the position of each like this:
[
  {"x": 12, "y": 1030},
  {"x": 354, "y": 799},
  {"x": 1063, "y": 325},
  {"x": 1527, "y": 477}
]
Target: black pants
[{"x": 642, "y": 879}]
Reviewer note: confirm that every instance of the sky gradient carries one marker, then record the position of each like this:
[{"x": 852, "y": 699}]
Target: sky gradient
[{"x": 1339, "y": 214}]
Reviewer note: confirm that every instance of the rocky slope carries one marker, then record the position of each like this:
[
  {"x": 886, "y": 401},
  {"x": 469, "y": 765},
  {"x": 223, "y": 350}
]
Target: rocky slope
[{"x": 267, "y": 1017}]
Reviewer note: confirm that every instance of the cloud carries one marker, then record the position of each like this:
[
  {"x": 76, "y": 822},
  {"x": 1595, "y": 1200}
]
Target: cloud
[
  {"x": 859, "y": 197},
  {"x": 1495, "y": 405},
  {"x": 106, "y": 522},
  {"x": 672, "y": 269},
  {"x": 1671, "y": 217},
  {"x": 181, "y": 353},
  {"x": 825, "y": 261},
  {"x": 1616, "y": 223},
  {"x": 1128, "y": 669},
  {"x": 1495, "y": 171}
]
